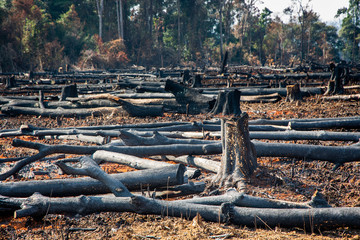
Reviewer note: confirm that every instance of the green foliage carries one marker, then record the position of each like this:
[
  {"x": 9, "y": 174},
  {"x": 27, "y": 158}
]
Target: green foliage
[
  {"x": 45, "y": 34},
  {"x": 350, "y": 30}
]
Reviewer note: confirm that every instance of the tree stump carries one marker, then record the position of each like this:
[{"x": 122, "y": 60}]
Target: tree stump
[
  {"x": 68, "y": 91},
  {"x": 338, "y": 74},
  {"x": 227, "y": 103},
  {"x": 293, "y": 93},
  {"x": 197, "y": 81},
  {"x": 186, "y": 76},
  {"x": 10, "y": 82},
  {"x": 239, "y": 156}
]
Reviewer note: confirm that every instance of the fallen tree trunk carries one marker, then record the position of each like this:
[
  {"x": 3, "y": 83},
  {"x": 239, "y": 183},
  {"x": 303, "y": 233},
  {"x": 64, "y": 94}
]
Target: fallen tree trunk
[
  {"x": 44, "y": 150},
  {"x": 307, "y": 135},
  {"x": 341, "y": 97},
  {"x": 203, "y": 163},
  {"x": 329, "y": 124},
  {"x": 336, "y": 155},
  {"x": 128, "y": 108},
  {"x": 286, "y": 122},
  {"x": 244, "y": 200},
  {"x": 154, "y": 178},
  {"x": 99, "y": 140},
  {"x": 270, "y": 98},
  {"x": 137, "y": 163},
  {"x": 38, "y": 205}
]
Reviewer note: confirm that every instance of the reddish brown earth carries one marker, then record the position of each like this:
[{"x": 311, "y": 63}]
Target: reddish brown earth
[{"x": 275, "y": 178}]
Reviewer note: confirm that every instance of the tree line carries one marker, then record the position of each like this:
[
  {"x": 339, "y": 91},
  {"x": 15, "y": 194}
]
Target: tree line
[{"x": 45, "y": 34}]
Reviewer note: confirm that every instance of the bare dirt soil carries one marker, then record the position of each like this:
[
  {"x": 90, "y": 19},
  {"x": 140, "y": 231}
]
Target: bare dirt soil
[{"x": 276, "y": 178}]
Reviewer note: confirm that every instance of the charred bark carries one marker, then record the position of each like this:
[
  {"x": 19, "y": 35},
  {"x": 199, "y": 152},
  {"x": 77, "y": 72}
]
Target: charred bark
[
  {"x": 239, "y": 156},
  {"x": 227, "y": 103},
  {"x": 197, "y": 102}
]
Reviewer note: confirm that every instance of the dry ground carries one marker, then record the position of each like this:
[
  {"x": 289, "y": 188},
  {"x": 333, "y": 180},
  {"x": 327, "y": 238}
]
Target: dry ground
[{"x": 278, "y": 178}]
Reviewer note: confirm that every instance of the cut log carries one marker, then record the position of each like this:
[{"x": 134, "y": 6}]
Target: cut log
[
  {"x": 272, "y": 98},
  {"x": 307, "y": 219},
  {"x": 131, "y": 139},
  {"x": 244, "y": 200},
  {"x": 336, "y": 155},
  {"x": 306, "y": 135},
  {"x": 350, "y": 97},
  {"x": 134, "y": 181},
  {"x": 90, "y": 168},
  {"x": 45, "y": 150},
  {"x": 329, "y": 124},
  {"x": 137, "y": 163},
  {"x": 203, "y": 163},
  {"x": 130, "y": 109}
]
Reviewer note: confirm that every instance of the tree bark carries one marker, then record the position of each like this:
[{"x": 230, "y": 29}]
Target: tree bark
[
  {"x": 90, "y": 168},
  {"x": 69, "y": 91},
  {"x": 244, "y": 200},
  {"x": 134, "y": 181},
  {"x": 227, "y": 103},
  {"x": 100, "y": 10},
  {"x": 45, "y": 150},
  {"x": 126, "y": 108},
  {"x": 239, "y": 156},
  {"x": 137, "y": 163},
  {"x": 342, "y": 97},
  {"x": 293, "y": 93},
  {"x": 198, "y": 103},
  {"x": 307, "y": 219},
  {"x": 329, "y": 124}
]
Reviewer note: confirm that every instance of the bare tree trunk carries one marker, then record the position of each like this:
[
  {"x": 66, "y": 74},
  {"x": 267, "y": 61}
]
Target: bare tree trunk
[
  {"x": 118, "y": 18},
  {"x": 179, "y": 31},
  {"x": 121, "y": 19},
  {"x": 100, "y": 10},
  {"x": 220, "y": 28}
]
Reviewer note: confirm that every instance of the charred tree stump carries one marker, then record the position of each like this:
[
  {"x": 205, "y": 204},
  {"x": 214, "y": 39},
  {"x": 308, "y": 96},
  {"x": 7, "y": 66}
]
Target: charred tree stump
[
  {"x": 197, "y": 81},
  {"x": 335, "y": 85},
  {"x": 198, "y": 103},
  {"x": 293, "y": 93},
  {"x": 10, "y": 82},
  {"x": 227, "y": 103},
  {"x": 239, "y": 156},
  {"x": 186, "y": 76},
  {"x": 69, "y": 91},
  {"x": 330, "y": 87}
]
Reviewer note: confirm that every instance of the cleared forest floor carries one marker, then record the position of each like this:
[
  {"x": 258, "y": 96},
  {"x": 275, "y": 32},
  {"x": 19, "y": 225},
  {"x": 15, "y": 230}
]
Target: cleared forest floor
[{"x": 276, "y": 178}]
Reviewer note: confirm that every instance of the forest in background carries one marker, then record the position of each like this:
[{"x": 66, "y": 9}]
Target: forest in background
[{"x": 106, "y": 34}]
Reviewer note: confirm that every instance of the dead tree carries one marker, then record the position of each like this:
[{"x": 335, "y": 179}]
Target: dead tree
[{"x": 239, "y": 156}]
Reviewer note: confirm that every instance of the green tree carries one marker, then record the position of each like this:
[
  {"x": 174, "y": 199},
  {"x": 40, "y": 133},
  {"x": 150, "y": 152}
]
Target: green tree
[
  {"x": 350, "y": 30},
  {"x": 70, "y": 32},
  {"x": 263, "y": 22}
]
